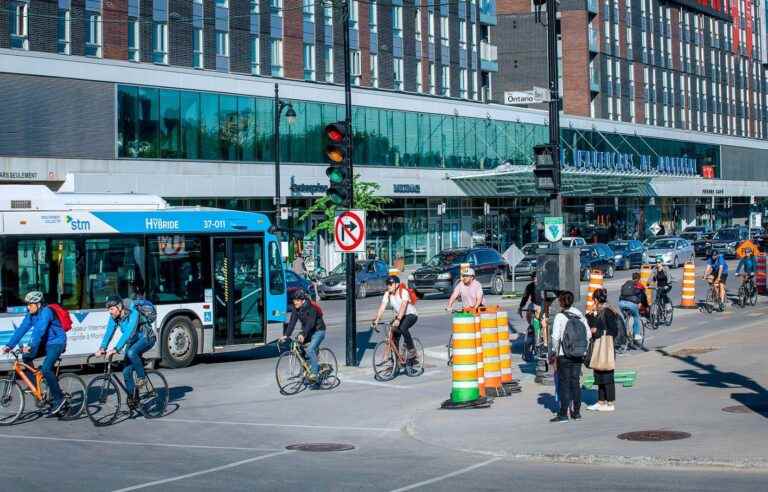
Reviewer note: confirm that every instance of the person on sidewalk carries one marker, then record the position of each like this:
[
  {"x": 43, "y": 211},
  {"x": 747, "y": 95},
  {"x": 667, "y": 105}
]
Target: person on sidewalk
[
  {"x": 604, "y": 321},
  {"x": 569, "y": 331}
]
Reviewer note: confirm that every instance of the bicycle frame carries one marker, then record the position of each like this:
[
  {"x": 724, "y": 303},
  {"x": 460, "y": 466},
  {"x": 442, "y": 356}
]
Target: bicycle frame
[
  {"x": 391, "y": 343},
  {"x": 20, "y": 370},
  {"x": 108, "y": 366},
  {"x": 296, "y": 350}
]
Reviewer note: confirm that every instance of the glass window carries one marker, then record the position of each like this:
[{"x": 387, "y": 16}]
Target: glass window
[
  {"x": 419, "y": 77},
  {"x": 209, "y": 126},
  {"x": 93, "y": 30},
  {"x": 198, "y": 47},
  {"x": 222, "y": 43},
  {"x": 127, "y": 136},
  {"x": 373, "y": 15},
  {"x": 398, "y": 73},
  {"x": 397, "y": 21},
  {"x": 229, "y": 128},
  {"x": 67, "y": 273},
  {"x": 175, "y": 269},
  {"x": 309, "y": 10},
  {"x": 64, "y": 29},
  {"x": 277, "y": 7},
  {"x": 354, "y": 14},
  {"x": 190, "y": 125},
  {"x": 374, "y": 70},
  {"x": 444, "y": 31},
  {"x": 255, "y": 56},
  {"x": 148, "y": 122},
  {"x": 356, "y": 68},
  {"x": 329, "y": 64},
  {"x": 309, "y": 62},
  {"x": 23, "y": 267},
  {"x": 112, "y": 267},
  {"x": 445, "y": 80},
  {"x": 276, "y": 278},
  {"x": 276, "y": 51},
  {"x": 170, "y": 126},
  {"x": 417, "y": 23},
  {"x": 160, "y": 43},
  {"x": 19, "y": 25}
]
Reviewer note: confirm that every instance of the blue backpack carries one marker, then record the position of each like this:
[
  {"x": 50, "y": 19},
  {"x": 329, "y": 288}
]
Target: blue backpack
[{"x": 147, "y": 316}]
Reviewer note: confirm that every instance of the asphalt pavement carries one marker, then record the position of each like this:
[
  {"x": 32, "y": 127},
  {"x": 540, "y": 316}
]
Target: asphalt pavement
[{"x": 228, "y": 427}]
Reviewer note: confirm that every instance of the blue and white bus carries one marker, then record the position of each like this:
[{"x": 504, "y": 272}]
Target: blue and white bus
[{"x": 215, "y": 275}]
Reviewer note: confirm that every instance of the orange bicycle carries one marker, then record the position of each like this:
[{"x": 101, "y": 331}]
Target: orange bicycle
[
  {"x": 388, "y": 359},
  {"x": 17, "y": 382}
]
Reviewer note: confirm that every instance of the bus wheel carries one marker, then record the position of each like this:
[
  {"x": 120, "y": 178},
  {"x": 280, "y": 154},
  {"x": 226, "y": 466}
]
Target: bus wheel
[{"x": 179, "y": 343}]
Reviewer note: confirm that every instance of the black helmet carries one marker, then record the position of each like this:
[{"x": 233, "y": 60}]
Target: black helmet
[
  {"x": 393, "y": 279},
  {"x": 712, "y": 253},
  {"x": 113, "y": 301},
  {"x": 600, "y": 295},
  {"x": 300, "y": 295}
]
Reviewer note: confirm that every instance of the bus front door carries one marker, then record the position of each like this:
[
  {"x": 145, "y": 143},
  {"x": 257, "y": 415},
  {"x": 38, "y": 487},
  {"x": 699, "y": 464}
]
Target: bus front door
[{"x": 238, "y": 281}]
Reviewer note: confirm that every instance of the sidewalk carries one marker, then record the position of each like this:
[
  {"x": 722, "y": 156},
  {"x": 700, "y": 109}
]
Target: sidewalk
[{"x": 680, "y": 391}]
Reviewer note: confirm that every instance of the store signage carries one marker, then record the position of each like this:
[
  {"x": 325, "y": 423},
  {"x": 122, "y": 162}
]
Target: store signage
[
  {"x": 406, "y": 188},
  {"x": 314, "y": 189},
  {"x": 629, "y": 163},
  {"x": 713, "y": 191},
  {"x": 20, "y": 175}
]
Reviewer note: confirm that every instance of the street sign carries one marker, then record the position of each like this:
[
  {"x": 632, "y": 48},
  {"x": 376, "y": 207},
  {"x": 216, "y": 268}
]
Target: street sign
[
  {"x": 517, "y": 97},
  {"x": 349, "y": 231},
  {"x": 513, "y": 255},
  {"x": 655, "y": 228},
  {"x": 284, "y": 213},
  {"x": 553, "y": 229},
  {"x": 541, "y": 93},
  {"x": 755, "y": 219}
]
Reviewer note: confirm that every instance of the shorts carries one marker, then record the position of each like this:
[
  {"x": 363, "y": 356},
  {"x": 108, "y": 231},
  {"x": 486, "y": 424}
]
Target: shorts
[{"x": 723, "y": 278}]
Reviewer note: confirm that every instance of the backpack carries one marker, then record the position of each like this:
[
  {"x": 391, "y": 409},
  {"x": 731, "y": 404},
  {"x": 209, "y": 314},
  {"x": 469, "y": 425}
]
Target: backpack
[
  {"x": 317, "y": 307},
  {"x": 411, "y": 293},
  {"x": 62, "y": 315},
  {"x": 628, "y": 290},
  {"x": 574, "y": 342},
  {"x": 147, "y": 315}
]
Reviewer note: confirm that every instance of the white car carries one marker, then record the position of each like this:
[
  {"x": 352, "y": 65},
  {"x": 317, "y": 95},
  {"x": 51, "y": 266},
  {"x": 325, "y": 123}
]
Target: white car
[{"x": 574, "y": 242}]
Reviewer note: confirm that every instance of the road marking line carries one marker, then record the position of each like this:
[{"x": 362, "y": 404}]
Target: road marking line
[
  {"x": 203, "y": 472},
  {"x": 447, "y": 475},
  {"x": 376, "y": 383},
  {"x": 283, "y": 426},
  {"x": 129, "y": 443}
]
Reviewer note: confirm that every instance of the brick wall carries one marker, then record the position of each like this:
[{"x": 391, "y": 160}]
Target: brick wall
[
  {"x": 293, "y": 39},
  {"x": 180, "y": 33},
  {"x": 78, "y": 27},
  {"x": 409, "y": 46},
  {"x": 266, "y": 59},
  {"x": 522, "y": 51},
  {"x": 386, "y": 70},
  {"x": 115, "y": 30},
  {"x": 240, "y": 36},
  {"x": 43, "y": 26},
  {"x": 209, "y": 34},
  {"x": 320, "y": 39},
  {"x": 512, "y": 7},
  {"x": 5, "y": 40},
  {"x": 576, "y": 93},
  {"x": 145, "y": 30},
  {"x": 365, "y": 44}
]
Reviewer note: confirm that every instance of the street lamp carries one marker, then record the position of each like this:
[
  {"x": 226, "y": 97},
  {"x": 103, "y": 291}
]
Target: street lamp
[{"x": 290, "y": 116}]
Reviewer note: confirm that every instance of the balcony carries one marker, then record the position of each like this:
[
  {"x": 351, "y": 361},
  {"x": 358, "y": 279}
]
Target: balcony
[
  {"x": 593, "y": 6},
  {"x": 487, "y": 12},
  {"x": 489, "y": 58},
  {"x": 594, "y": 41}
]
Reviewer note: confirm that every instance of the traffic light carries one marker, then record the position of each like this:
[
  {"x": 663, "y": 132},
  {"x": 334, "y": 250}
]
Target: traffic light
[
  {"x": 544, "y": 170},
  {"x": 338, "y": 172}
]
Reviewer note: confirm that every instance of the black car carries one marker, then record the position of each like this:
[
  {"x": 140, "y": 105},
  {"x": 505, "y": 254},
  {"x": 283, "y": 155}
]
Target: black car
[
  {"x": 699, "y": 241},
  {"x": 628, "y": 253},
  {"x": 727, "y": 240},
  {"x": 597, "y": 257},
  {"x": 527, "y": 266},
  {"x": 441, "y": 272}
]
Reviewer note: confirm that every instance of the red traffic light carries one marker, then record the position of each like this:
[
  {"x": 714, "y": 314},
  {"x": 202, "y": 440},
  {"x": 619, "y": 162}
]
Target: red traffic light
[{"x": 336, "y": 132}]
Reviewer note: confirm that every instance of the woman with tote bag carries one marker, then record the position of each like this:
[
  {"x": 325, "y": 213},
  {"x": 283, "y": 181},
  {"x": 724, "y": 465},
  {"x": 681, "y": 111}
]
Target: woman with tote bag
[{"x": 604, "y": 323}]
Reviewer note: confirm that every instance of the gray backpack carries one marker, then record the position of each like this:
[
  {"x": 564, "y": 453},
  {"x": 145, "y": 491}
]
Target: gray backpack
[{"x": 574, "y": 342}]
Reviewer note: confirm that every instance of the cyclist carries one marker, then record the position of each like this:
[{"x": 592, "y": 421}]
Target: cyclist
[
  {"x": 663, "y": 280},
  {"x": 137, "y": 338},
  {"x": 748, "y": 264},
  {"x": 718, "y": 268},
  {"x": 312, "y": 330},
  {"x": 470, "y": 291},
  {"x": 399, "y": 299},
  {"x": 48, "y": 339},
  {"x": 532, "y": 295},
  {"x": 632, "y": 297}
]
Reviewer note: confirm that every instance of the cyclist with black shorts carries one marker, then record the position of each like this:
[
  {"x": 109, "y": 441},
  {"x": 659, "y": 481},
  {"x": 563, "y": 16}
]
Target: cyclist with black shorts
[{"x": 398, "y": 298}]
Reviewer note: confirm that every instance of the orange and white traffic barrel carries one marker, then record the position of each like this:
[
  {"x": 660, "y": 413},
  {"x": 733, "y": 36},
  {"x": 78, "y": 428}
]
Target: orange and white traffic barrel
[
  {"x": 491, "y": 360},
  {"x": 464, "y": 378},
  {"x": 688, "y": 296},
  {"x": 595, "y": 282},
  {"x": 505, "y": 352},
  {"x": 480, "y": 355},
  {"x": 645, "y": 279},
  {"x": 760, "y": 276}
]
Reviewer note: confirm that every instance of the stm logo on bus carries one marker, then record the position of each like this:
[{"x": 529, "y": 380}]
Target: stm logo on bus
[{"x": 78, "y": 225}]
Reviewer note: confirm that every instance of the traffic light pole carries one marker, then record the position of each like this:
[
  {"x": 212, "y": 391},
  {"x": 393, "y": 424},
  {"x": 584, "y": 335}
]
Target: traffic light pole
[
  {"x": 556, "y": 200},
  {"x": 351, "y": 331}
]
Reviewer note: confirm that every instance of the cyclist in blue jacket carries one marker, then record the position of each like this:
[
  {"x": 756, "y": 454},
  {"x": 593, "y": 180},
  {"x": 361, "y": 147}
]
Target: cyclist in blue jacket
[
  {"x": 48, "y": 339},
  {"x": 748, "y": 264},
  {"x": 718, "y": 269},
  {"x": 137, "y": 340}
]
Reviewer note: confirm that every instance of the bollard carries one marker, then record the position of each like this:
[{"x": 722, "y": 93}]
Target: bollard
[
  {"x": 760, "y": 276},
  {"x": 491, "y": 360},
  {"x": 505, "y": 353},
  {"x": 595, "y": 282},
  {"x": 465, "y": 389},
  {"x": 393, "y": 272},
  {"x": 645, "y": 279},
  {"x": 688, "y": 297}
]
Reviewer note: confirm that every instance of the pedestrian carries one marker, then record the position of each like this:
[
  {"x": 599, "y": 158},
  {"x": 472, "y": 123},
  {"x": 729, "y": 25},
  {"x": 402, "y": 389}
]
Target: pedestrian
[
  {"x": 605, "y": 323},
  {"x": 570, "y": 335},
  {"x": 299, "y": 267}
]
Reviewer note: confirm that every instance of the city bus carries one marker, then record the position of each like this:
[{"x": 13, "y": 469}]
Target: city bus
[{"x": 216, "y": 276}]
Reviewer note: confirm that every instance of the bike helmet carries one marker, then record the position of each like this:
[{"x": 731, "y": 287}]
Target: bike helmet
[
  {"x": 392, "y": 280},
  {"x": 469, "y": 272},
  {"x": 114, "y": 301},
  {"x": 659, "y": 259},
  {"x": 299, "y": 294},
  {"x": 600, "y": 295},
  {"x": 33, "y": 297}
]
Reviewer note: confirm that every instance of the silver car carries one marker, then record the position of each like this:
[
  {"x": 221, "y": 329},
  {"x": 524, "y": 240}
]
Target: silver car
[{"x": 674, "y": 251}]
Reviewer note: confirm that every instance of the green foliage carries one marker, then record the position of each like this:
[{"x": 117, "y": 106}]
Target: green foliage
[{"x": 365, "y": 199}]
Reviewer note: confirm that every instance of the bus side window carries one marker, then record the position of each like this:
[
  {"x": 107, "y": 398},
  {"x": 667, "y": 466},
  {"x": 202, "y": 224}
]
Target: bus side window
[
  {"x": 276, "y": 276},
  {"x": 112, "y": 266},
  {"x": 67, "y": 272},
  {"x": 24, "y": 268}
]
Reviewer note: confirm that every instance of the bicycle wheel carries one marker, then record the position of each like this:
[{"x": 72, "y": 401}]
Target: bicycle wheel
[
  {"x": 669, "y": 313},
  {"x": 289, "y": 374},
  {"x": 656, "y": 316},
  {"x": 11, "y": 401},
  {"x": 414, "y": 367},
  {"x": 450, "y": 350},
  {"x": 644, "y": 324},
  {"x": 329, "y": 369},
  {"x": 709, "y": 303},
  {"x": 103, "y": 400},
  {"x": 753, "y": 295},
  {"x": 742, "y": 299},
  {"x": 153, "y": 397},
  {"x": 385, "y": 363},
  {"x": 74, "y": 394}
]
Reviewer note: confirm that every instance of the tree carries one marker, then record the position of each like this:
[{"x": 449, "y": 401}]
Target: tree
[{"x": 365, "y": 199}]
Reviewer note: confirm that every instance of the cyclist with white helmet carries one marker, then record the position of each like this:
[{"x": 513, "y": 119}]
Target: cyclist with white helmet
[
  {"x": 47, "y": 329},
  {"x": 398, "y": 298}
]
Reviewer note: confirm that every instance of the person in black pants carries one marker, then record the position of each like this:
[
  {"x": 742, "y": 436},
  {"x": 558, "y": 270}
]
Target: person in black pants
[
  {"x": 568, "y": 368},
  {"x": 605, "y": 321}
]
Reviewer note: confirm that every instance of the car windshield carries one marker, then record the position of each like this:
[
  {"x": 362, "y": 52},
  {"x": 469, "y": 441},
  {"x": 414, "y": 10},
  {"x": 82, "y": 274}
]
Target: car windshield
[
  {"x": 689, "y": 235},
  {"x": 341, "y": 268},
  {"x": 534, "y": 248},
  {"x": 727, "y": 235},
  {"x": 664, "y": 244},
  {"x": 586, "y": 251},
  {"x": 446, "y": 258},
  {"x": 618, "y": 245}
]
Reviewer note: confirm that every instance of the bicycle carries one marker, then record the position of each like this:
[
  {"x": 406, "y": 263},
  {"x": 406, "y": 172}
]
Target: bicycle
[
  {"x": 292, "y": 371},
  {"x": 12, "y": 400},
  {"x": 662, "y": 310},
  {"x": 713, "y": 301},
  {"x": 628, "y": 342},
  {"x": 747, "y": 291},
  {"x": 105, "y": 400},
  {"x": 388, "y": 359}
]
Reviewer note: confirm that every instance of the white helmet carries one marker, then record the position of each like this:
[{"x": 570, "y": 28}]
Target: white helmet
[
  {"x": 469, "y": 272},
  {"x": 33, "y": 297}
]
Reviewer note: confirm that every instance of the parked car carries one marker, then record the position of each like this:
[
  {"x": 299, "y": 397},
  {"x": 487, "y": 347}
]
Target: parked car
[
  {"x": 674, "y": 251},
  {"x": 647, "y": 243},
  {"x": 727, "y": 240},
  {"x": 574, "y": 242},
  {"x": 294, "y": 282},
  {"x": 441, "y": 272},
  {"x": 757, "y": 234},
  {"x": 699, "y": 241},
  {"x": 628, "y": 254},
  {"x": 696, "y": 229},
  {"x": 370, "y": 277},
  {"x": 527, "y": 265},
  {"x": 597, "y": 257}
]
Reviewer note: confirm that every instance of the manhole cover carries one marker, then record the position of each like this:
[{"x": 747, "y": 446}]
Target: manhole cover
[
  {"x": 693, "y": 351},
  {"x": 320, "y": 447},
  {"x": 757, "y": 408},
  {"x": 654, "y": 436}
]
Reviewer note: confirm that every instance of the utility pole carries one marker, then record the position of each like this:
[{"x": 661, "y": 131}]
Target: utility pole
[{"x": 555, "y": 199}]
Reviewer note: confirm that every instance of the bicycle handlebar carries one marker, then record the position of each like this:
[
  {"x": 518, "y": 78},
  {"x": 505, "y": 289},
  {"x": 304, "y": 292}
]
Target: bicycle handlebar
[{"x": 107, "y": 358}]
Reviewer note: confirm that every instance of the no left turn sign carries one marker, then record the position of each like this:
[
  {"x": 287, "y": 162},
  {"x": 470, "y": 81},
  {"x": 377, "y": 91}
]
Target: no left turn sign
[{"x": 349, "y": 231}]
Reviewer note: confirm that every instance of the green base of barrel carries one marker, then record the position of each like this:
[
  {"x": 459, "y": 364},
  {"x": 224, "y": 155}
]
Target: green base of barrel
[
  {"x": 478, "y": 403},
  {"x": 624, "y": 378},
  {"x": 464, "y": 395}
]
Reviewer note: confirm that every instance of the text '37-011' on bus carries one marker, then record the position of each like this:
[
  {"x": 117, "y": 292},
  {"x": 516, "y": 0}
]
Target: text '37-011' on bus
[{"x": 216, "y": 276}]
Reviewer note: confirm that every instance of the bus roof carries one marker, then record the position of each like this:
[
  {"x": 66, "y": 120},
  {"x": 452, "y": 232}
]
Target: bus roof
[{"x": 39, "y": 197}]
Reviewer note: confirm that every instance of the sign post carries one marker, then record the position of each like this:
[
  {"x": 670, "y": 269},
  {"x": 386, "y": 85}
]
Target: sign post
[{"x": 553, "y": 229}]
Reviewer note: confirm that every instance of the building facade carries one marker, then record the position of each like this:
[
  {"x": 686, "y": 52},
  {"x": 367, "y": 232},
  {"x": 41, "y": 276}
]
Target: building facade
[{"x": 177, "y": 99}]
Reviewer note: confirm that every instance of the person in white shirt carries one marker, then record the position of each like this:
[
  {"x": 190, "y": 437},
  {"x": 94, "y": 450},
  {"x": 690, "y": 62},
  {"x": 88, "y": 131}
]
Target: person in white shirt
[
  {"x": 568, "y": 368},
  {"x": 398, "y": 297}
]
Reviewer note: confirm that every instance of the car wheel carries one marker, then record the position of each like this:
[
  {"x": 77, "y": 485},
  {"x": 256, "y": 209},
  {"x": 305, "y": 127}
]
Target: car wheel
[
  {"x": 610, "y": 272},
  {"x": 362, "y": 291},
  {"x": 497, "y": 285},
  {"x": 675, "y": 263},
  {"x": 627, "y": 265}
]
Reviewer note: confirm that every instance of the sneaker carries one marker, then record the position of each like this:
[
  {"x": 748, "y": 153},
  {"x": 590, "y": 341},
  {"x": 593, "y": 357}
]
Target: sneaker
[
  {"x": 315, "y": 386},
  {"x": 576, "y": 416},
  {"x": 141, "y": 382},
  {"x": 57, "y": 406},
  {"x": 594, "y": 408},
  {"x": 558, "y": 419},
  {"x": 606, "y": 408},
  {"x": 312, "y": 378}
]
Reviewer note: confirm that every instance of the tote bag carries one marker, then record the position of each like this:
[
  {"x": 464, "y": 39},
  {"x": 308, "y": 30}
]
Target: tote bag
[{"x": 603, "y": 358}]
